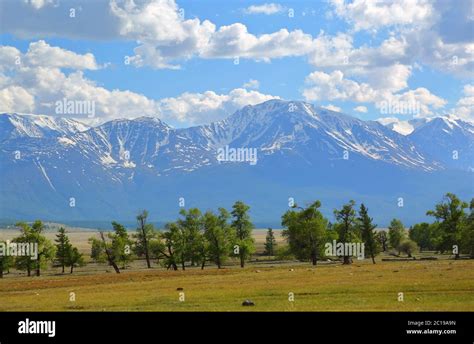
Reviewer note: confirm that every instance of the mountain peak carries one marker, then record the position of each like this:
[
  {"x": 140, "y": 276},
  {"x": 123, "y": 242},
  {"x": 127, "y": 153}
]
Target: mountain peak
[
  {"x": 149, "y": 119},
  {"x": 144, "y": 120},
  {"x": 281, "y": 104},
  {"x": 446, "y": 124},
  {"x": 273, "y": 109},
  {"x": 30, "y": 125},
  {"x": 130, "y": 163}
]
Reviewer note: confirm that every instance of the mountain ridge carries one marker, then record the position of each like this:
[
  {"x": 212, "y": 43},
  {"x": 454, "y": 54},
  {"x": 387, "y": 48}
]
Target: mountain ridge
[{"x": 120, "y": 166}]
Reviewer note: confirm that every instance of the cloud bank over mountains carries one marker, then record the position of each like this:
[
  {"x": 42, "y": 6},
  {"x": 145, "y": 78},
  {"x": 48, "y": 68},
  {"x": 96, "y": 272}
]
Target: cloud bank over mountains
[{"x": 404, "y": 38}]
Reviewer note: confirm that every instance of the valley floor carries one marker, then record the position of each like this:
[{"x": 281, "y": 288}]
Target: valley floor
[
  {"x": 437, "y": 285},
  {"x": 443, "y": 285}
]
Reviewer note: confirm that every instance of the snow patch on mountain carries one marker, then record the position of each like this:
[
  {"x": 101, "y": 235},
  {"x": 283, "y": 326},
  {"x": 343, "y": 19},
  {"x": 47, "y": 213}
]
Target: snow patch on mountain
[
  {"x": 66, "y": 141},
  {"x": 401, "y": 127},
  {"x": 278, "y": 129},
  {"x": 45, "y": 175},
  {"x": 41, "y": 125}
]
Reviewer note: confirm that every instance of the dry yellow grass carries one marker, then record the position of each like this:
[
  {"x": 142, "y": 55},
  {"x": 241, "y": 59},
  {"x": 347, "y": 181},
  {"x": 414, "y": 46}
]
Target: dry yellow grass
[
  {"x": 443, "y": 285},
  {"x": 427, "y": 286}
]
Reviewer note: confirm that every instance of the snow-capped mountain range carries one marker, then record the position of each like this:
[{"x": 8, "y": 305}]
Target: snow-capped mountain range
[{"x": 114, "y": 169}]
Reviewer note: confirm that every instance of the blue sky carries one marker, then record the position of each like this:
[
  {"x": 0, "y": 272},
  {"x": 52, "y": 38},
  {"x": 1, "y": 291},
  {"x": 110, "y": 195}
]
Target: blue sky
[{"x": 347, "y": 55}]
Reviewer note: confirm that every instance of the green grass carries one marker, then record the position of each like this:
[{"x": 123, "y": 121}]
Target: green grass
[{"x": 443, "y": 285}]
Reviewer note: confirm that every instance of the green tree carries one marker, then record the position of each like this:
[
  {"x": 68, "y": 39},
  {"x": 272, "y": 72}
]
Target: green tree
[
  {"x": 191, "y": 246},
  {"x": 408, "y": 247},
  {"x": 305, "y": 232},
  {"x": 108, "y": 248},
  {"x": 97, "y": 250},
  {"x": 367, "y": 231},
  {"x": 6, "y": 262},
  {"x": 467, "y": 233},
  {"x": 74, "y": 258},
  {"x": 63, "y": 246},
  {"x": 450, "y": 216},
  {"x": 164, "y": 249},
  {"x": 218, "y": 235},
  {"x": 346, "y": 226},
  {"x": 45, "y": 249},
  {"x": 243, "y": 231},
  {"x": 179, "y": 239},
  {"x": 382, "y": 239},
  {"x": 24, "y": 263},
  {"x": 396, "y": 234},
  {"x": 424, "y": 234},
  {"x": 121, "y": 245},
  {"x": 270, "y": 243}
]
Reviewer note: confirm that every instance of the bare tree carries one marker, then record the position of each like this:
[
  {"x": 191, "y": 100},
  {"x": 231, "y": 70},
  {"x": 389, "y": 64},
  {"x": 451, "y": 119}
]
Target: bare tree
[{"x": 143, "y": 234}]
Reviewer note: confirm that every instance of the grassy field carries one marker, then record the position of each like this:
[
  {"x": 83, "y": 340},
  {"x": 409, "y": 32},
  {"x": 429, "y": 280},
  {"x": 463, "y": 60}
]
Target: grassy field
[
  {"x": 427, "y": 286},
  {"x": 441, "y": 285}
]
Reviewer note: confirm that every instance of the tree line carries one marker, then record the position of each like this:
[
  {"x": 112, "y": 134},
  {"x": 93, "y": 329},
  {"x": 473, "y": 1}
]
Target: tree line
[
  {"x": 198, "y": 238},
  {"x": 63, "y": 253},
  {"x": 307, "y": 231},
  {"x": 194, "y": 239}
]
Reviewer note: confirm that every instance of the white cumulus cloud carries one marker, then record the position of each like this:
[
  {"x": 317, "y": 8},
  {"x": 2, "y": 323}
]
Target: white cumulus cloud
[
  {"x": 37, "y": 83},
  {"x": 331, "y": 107},
  {"x": 200, "y": 108},
  {"x": 370, "y": 14},
  {"x": 465, "y": 106},
  {"x": 334, "y": 86},
  {"x": 251, "y": 84},
  {"x": 361, "y": 108}
]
